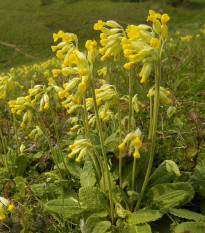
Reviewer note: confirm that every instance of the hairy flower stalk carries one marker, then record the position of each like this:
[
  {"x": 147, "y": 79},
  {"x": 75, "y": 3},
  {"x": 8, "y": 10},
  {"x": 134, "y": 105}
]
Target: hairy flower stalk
[
  {"x": 99, "y": 126},
  {"x": 154, "y": 125}
]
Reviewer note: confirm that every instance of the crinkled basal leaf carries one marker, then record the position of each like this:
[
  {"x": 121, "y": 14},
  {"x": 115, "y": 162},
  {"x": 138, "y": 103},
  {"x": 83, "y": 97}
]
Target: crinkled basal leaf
[
  {"x": 160, "y": 176},
  {"x": 182, "y": 213},
  {"x": 198, "y": 177},
  {"x": 94, "y": 201},
  {"x": 141, "y": 228},
  {"x": 170, "y": 195},
  {"x": 144, "y": 215},
  {"x": 87, "y": 177},
  {"x": 21, "y": 163},
  {"x": 96, "y": 225},
  {"x": 192, "y": 227},
  {"x": 70, "y": 207}
]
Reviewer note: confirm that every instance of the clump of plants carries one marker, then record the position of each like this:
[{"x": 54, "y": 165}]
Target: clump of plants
[{"x": 94, "y": 171}]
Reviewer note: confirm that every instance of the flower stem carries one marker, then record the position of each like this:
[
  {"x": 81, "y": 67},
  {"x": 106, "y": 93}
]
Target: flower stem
[
  {"x": 154, "y": 128},
  {"x": 15, "y": 130},
  {"x": 130, "y": 101},
  {"x": 87, "y": 130},
  {"x": 151, "y": 116},
  {"x": 58, "y": 141},
  {"x": 99, "y": 126},
  {"x": 120, "y": 141},
  {"x": 133, "y": 181},
  {"x": 4, "y": 149}
]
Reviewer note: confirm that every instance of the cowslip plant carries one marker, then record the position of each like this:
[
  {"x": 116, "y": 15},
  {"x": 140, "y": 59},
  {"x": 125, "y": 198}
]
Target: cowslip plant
[{"x": 110, "y": 156}]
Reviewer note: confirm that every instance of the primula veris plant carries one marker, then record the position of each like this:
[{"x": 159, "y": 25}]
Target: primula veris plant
[{"x": 92, "y": 133}]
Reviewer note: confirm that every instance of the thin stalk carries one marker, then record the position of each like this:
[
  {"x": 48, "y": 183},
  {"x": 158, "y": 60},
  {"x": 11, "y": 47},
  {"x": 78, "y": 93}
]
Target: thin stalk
[
  {"x": 4, "y": 149},
  {"x": 49, "y": 143},
  {"x": 99, "y": 126},
  {"x": 130, "y": 101},
  {"x": 58, "y": 141},
  {"x": 151, "y": 118},
  {"x": 15, "y": 130},
  {"x": 87, "y": 130},
  {"x": 133, "y": 181},
  {"x": 154, "y": 128},
  {"x": 120, "y": 141}
]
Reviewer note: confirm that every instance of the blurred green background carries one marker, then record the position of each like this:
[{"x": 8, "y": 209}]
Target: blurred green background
[{"x": 26, "y": 26}]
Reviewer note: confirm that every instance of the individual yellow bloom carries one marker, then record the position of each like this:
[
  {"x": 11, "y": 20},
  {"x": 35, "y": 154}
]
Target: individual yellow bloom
[
  {"x": 104, "y": 42},
  {"x": 137, "y": 142},
  {"x": 28, "y": 98},
  {"x": 153, "y": 16},
  {"x": 167, "y": 93},
  {"x": 2, "y": 216},
  {"x": 78, "y": 159},
  {"x": 197, "y": 35},
  {"x": 70, "y": 156},
  {"x": 128, "y": 65},
  {"x": 21, "y": 86},
  {"x": 177, "y": 32},
  {"x": 22, "y": 125},
  {"x": 154, "y": 42},
  {"x": 3, "y": 79},
  {"x": 102, "y": 51},
  {"x": 121, "y": 146},
  {"x": 71, "y": 147},
  {"x": 46, "y": 106},
  {"x": 133, "y": 31},
  {"x": 10, "y": 207},
  {"x": 54, "y": 48},
  {"x": 56, "y": 72},
  {"x": 59, "y": 53},
  {"x": 82, "y": 86},
  {"x": 83, "y": 72},
  {"x": 41, "y": 109},
  {"x": 97, "y": 91},
  {"x": 13, "y": 110},
  {"x": 99, "y": 25},
  {"x": 55, "y": 37},
  {"x": 103, "y": 36},
  {"x": 18, "y": 112},
  {"x": 90, "y": 44},
  {"x": 136, "y": 154},
  {"x": 165, "y": 18}
]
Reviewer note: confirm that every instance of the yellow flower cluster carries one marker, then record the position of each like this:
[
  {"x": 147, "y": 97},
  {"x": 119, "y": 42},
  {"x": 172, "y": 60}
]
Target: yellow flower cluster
[
  {"x": 110, "y": 39},
  {"x": 163, "y": 95},
  {"x": 134, "y": 141},
  {"x": 81, "y": 148},
  {"x": 8, "y": 85},
  {"x": 136, "y": 104},
  {"x": 36, "y": 133}
]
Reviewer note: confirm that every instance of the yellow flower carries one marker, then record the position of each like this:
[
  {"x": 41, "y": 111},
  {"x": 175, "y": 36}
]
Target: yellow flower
[
  {"x": 59, "y": 53},
  {"x": 2, "y": 216},
  {"x": 46, "y": 106},
  {"x": 78, "y": 159},
  {"x": 90, "y": 44},
  {"x": 121, "y": 146},
  {"x": 137, "y": 142},
  {"x": 10, "y": 207},
  {"x": 154, "y": 42},
  {"x": 136, "y": 154},
  {"x": 128, "y": 65},
  {"x": 83, "y": 72},
  {"x": 56, "y": 72},
  {"x": 133, "y": 31},
  {"x": 177, "y": 32},
  {"x": 153, "y": 16},
  {"x": 22, "y": 125},
  {"x": 99, "y": 25},
  {"x": 165, "y": 18},
  {"x": 82, "y": 86}
]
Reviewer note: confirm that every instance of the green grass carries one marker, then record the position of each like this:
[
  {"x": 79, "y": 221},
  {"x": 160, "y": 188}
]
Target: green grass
[{"x": 29, "y": 24}]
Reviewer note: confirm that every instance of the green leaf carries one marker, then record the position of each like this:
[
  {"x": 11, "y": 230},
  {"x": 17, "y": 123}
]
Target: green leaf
[
  {"x": 144, "y": 215},
  {"x": 70, "y": 206},
  {"x": 141, "y": 228},
  {"x": 182, "y": 213},
  {"x": 198, "y": 179},
  {"x": 170, "y": 195},
  {"x": 21, "y": 163},
  {"x": 74, "y": 169},
  {"x": 192, "y": 227},
  {"x": 94, "y": 201},
  {"x": 87, "y": 176},
  {"x": 160, "y": 176},
  {"x": 95, "y": 225},
  {"x": 171, "y": 111},
  {"x": 20, "y": 185}
]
